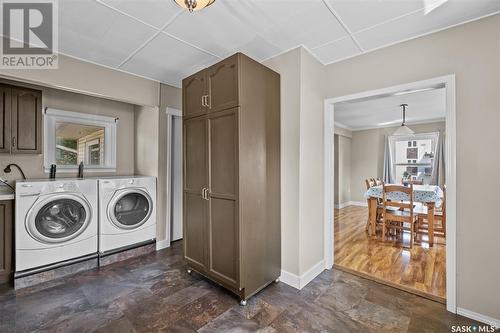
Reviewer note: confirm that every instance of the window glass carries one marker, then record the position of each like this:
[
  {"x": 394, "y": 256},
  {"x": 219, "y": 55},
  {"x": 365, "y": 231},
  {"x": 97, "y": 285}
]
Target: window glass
[
  {"x": 414, "y": 159},
  {"x": 77, "y": 143}
]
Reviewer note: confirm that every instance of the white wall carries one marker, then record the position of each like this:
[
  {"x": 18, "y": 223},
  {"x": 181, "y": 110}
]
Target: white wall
[
  {"x": 301, "y": 160},
  {"x": 472, "y": 53},
  {"x": 90, "y": 79},
  {"x": 288, "y": 65},
  {"x": 311, "y": 162},
  {"x": 367, "y": 155},
  {"x": 64, "y": 100},
  {"x": 343, "y": 165}
]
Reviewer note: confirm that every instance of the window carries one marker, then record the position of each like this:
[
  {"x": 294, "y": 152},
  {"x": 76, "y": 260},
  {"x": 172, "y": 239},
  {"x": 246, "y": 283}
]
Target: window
[
  {"x": 71, "y": 138},
  {"x": 413, "y": 158}
]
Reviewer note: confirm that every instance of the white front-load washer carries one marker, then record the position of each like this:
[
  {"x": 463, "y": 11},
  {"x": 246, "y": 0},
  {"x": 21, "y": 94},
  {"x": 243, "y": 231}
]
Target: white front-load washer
[
  {"x": 56, "y": 221},
  {"x": 127, "y": 212}
]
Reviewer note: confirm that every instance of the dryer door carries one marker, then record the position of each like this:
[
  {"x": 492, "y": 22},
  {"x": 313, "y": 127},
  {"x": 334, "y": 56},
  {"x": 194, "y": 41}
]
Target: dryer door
[
  {"x": 130, "y": 208},
  {"x": 58, "y": 218}
]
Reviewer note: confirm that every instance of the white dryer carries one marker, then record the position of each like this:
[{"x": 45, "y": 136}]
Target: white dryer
[
  {"x": 127, "y": 212},
  {"x": 56, "y": 221}
]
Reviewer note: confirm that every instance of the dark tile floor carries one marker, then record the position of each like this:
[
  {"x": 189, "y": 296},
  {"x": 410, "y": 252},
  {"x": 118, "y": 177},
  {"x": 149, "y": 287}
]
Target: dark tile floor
[{"x": 153, "y": 293}]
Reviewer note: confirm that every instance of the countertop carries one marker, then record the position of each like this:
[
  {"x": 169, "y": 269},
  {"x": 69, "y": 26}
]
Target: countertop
[{"x": 6, "y": 193}]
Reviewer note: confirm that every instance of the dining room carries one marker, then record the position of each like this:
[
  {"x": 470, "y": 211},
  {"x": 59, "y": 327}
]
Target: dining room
[{"x": 390, "y": 189}]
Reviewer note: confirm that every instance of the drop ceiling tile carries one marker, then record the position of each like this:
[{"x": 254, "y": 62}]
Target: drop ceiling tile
[
  {"x": 168, "y": 60},
  {"x": 452, "y": 12},
  {"x": 154, "y": 12},
  {"x": 361, "y": 14},
  {"x": 274, "y": 26},
  {"x": 101, "y": 35},
  {"x": 337, "y": 50}
]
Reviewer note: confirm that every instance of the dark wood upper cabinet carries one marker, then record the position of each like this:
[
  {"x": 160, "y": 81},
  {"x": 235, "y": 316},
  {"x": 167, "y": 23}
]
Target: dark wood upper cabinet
[
  {"x": 6, "y": 241},
  {"x": 21, "y": 120},
  {"x": 5, "y": 94},
  {"x": 194, "y": 100},
  {"x": 232, "y": 225},
  {"x": 223, "y": 84}
]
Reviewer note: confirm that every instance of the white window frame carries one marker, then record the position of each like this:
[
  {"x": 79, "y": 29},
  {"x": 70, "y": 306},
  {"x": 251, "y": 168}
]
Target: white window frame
[
  {"x": 53, "y": 116},
  {"x": 420, "y": 136}
]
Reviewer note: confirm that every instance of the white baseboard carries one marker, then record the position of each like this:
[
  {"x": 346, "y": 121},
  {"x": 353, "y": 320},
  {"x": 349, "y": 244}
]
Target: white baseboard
[
  {"x": 299, "y": 282},
  {"x": 479, "y": 317},
  {"x": 290, "y": 279},
  {"x": 351, "y": 203},
  {"x": 163, "y": 244}
]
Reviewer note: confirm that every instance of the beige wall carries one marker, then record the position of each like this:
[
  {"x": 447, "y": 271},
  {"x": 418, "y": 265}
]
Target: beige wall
[
  {"x": 169, "y": 97},
  {"x": 288, "y": 65},
  {"x": 342, "y": 174},
  {"x": 301, "y": 160},
  {"x": 83, "y": 77},
  {"x": 64, "y": 100},
  {"x": 368, "y": 154},
  {"x": 472, "y": 53},
  {"x": 151, "y": 148},
  {"x": 311, "y": 162}
]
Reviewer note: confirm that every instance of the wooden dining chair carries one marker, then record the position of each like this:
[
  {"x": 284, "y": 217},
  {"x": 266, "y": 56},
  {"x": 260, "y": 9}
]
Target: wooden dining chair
[
  {"x": 439, "y": 216},
  {"x": 396, "y": 218},
  {"x": 369, "y": 183}
]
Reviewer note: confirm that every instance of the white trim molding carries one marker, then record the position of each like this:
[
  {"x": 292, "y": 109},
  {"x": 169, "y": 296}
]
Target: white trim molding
[
  {"x": 54, "y": 116},
  {"x": 479, "y": 317},
  {"x": 299, "y": 282},
  {"x": 163, "y": 244},
  {"x": 351, "y": 203},
  {"x": 451, "y": 129}
]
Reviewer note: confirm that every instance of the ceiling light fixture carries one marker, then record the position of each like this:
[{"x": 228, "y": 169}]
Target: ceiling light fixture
[
  {"x": 194, "y": 5},
  {"x": 430, "y": 5},
  {"x": 403, "y": 129}
]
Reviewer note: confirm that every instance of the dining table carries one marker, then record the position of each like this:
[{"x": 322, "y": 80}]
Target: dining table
[{"x": 430, "y": 195}]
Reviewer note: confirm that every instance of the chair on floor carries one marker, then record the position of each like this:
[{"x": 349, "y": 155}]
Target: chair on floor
[
  {"x": 439, "y": 217},
  {"x": 396, "y": 218}
]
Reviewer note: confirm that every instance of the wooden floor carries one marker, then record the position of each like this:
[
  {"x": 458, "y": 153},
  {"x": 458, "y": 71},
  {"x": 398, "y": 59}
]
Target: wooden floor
[{"x": 421, "y": 270}]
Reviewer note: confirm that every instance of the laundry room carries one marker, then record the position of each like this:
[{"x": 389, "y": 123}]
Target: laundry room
[{"x": 70, "y": 148}]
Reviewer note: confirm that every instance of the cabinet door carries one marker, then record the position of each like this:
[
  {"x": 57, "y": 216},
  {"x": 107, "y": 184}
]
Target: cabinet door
[
  {"x": 195, "y": 179},
  {"x": 223, "y": 85},
  {"x": 6, "y": 237},
  {"x": 26, "y": 121},
  {"x": 5, "y": 106},
  {"x": 194, "y": 88},
  {"x": 223, "y": 223}
]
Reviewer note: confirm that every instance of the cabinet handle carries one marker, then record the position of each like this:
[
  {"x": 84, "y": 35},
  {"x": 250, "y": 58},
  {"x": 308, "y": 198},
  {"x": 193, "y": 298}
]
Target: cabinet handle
[
  {"x": 203, "y": 193},
  {"x": 14, "y": 141},
  {"x": 203, "y": 103},
  {"x": 208, "y": 102}
]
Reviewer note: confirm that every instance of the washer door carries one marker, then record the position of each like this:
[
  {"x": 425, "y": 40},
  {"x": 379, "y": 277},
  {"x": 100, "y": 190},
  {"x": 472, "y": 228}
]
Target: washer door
[
  {"x": 58, "y": 218},
  {"x": 130, "y": 208}
]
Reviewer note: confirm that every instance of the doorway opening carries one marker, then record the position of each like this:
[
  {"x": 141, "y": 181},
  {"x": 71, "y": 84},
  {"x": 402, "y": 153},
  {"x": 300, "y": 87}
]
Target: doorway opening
[
  {"x": 174, "y": 174},
  {"x": 364, "y": 151}
]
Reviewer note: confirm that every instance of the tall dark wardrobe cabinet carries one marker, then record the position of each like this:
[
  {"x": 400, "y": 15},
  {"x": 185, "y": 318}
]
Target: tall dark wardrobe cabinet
[{"x": 231, "y": 122}]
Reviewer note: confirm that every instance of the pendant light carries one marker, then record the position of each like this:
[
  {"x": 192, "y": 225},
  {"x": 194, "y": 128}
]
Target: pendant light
[
  {"x": 403, "y": 129},
  {"x": 194, "y": 5}
]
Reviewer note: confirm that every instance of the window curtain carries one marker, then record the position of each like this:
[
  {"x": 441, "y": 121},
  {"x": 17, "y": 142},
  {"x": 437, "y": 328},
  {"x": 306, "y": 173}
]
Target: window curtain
[
  {"x": 388, "y": 167},
  {"x": 438, "y": 169}
]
